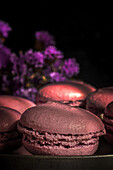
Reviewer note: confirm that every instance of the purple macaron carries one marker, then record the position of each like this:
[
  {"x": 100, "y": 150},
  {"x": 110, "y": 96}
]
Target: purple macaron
[
  {"x": 73, "y": 93},
  {"x": 97, "y": 101},
  {"x": 10, "y": 138},
  {"x": 53, "y": 128},
  {"x": 108, "y": 122}
]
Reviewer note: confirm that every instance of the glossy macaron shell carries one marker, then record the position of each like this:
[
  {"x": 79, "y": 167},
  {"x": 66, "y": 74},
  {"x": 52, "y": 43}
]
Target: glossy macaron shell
[
  {"x": 65, "y": 91},
  {"x": 97, "y": 101},
  {"x": 10, "y": 138},
  {"x": 18, "y": 103},
  {"x": 58, "y": 129},
  {"x": 89, "y": 87}
]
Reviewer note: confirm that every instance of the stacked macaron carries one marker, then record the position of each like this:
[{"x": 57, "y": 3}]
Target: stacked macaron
[
  {"x": 108, "y": 121},
  {"x": 53, "y": 128},
  {"x": 73, "y": 93},
  {"x": 97, "y": 101},
  {"x": 11, "y": 108},
  {"x": 10, "y": 138}
]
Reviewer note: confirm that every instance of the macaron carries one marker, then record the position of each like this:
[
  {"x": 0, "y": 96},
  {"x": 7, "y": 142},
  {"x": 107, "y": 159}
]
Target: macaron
[
  {"x": 72, "y": 93},
  {"x": 108, "y": 122},
  {"x": 10, "y": 138},
  {"x": 53, "y": 128},
  {"x": 17, "y": 103},
  {"x": 21, "y": 151},
  {"x": 97, "y": 101}
]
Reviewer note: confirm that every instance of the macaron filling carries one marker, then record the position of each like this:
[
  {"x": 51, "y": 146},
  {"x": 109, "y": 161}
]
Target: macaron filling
[
  {"x": 108, "y": 122},
  {"x": 76, "y": 103},
  {"x": 8, "y": 136},
  {"x": 46, "y": 139}
]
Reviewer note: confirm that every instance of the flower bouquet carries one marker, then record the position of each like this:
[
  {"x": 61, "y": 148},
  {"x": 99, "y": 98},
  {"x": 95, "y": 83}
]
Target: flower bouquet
[{"x": 23, "y": 74}]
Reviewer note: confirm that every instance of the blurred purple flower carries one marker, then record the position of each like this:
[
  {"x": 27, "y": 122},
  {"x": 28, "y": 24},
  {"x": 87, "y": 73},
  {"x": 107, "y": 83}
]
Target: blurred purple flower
[
  {"x": 18, "y": 68},
  {"x": 14, "y": 61},
  {"x": 51, "y": 52},
  {"x": 5, "y": 82},
  {"x": 28, "y": 93},
  {"x": 29, "y": 71},
  {"x": 4, "y": 29},
  {"x": 35, "y": 58},
  {"x": 5, "y": 79},
  {"x": 58, "y": 64},
  {"x": 47, "y": 71},
  {"x": 4, "y": 56},
  {"x": 45, "y": 38},
  {"x": 70, "y": 67},
  {"x": 56, "y": 76}
]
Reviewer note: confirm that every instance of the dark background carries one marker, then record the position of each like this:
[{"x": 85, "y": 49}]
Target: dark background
[{"x": 87, "y": 37}]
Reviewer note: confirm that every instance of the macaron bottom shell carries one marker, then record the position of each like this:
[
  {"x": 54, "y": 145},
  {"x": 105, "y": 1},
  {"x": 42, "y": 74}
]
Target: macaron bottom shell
[
  {"x": 109, "y": 133},
  {"x": 108, "y": 122},
  {"x": 10, "y": 137},
  {"x": 109, "y": 137},
  {"x": 21, "y": 151},
  {"x": 61, "y": 151},
  {"x": 58, "y": 144},
  {"x": 10, "y": 145}
]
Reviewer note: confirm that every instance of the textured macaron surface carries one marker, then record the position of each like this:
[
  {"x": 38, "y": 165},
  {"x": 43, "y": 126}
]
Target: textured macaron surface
[
  {"x": 18, "y": 103},
  {"x": 75, "y": 90},
  {"x": 8, "y": 118},
  {"x": 98, "y": 100},
  {"x": 58, "y": 126},
  {"x": 60, "y": 118}
]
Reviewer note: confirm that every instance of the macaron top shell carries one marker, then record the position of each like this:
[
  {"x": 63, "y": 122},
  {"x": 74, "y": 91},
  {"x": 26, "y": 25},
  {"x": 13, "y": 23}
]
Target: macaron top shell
[
  {"x": 18, "y": 103},
  {"x": 8, "y": 119},
  {"x": 71, "y": 90},
  {"x": 54, "y": 117},
  {"x": 100, "y": 98}
]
